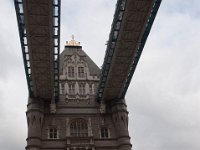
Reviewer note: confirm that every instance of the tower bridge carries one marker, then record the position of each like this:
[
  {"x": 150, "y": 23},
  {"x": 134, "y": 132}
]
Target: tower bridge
[{"x": 73, "y": 105}]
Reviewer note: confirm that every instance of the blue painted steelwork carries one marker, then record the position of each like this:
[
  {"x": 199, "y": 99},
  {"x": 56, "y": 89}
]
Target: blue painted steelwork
[
  {"x": 56, "y": 45},
  {"x": 24, "y": 44},
  {"x": 118, "y": 17},
  {"x": 138, "y": 53}
]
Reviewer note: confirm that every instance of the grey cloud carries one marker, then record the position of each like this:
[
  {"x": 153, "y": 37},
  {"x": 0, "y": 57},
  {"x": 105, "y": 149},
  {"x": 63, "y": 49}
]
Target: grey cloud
[
  {"x": 90, "y": 22},
  {"x": 10, "y": 53},
  {"x": 182, "y": 6},
  {"x": 163, "y": 98}
]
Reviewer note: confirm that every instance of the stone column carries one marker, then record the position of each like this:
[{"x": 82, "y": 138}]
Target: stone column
[
  {"x": 35, "y": 120},
  {"x": 120, "y": 119}
]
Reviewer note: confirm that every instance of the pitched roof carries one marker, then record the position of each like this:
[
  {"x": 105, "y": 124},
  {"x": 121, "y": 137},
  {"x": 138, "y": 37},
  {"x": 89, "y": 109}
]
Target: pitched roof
[{"x": 69, "y": 50}]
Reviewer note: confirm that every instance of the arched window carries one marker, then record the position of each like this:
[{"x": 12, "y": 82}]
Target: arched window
[
  {"x": 90, "y": 89},
  {"x": 82, "y": 89},
  {"x": 71, "y": 71},
  {"x": 62, "y": 89},
  {"x": 71, "y": 88},
  {"x": 79, "y": 128}
]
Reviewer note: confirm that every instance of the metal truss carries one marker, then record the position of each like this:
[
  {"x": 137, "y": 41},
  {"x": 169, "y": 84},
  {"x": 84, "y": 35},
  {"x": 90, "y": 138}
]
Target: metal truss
[
  {"x": 138, "y": 53},
  {"x": 111, "y": 47},
  {"x": 24, "y": 45},
  {"x": 118, "y": 17},
  {"x": 56, "y": 45}
]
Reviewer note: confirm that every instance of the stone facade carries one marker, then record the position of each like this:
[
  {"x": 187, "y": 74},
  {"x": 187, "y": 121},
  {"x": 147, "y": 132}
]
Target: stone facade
[{"x": 77, "y": 121}]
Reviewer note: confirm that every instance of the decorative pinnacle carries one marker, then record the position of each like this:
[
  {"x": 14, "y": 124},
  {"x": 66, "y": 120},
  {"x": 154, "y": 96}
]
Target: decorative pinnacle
[{"x": 72, "y": 42}]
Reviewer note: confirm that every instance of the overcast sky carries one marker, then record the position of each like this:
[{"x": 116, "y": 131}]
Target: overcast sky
[{"x": 163, "y": 97}]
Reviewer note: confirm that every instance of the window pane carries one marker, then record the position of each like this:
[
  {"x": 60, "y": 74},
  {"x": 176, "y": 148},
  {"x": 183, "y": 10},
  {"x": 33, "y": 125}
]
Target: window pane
[
  {"x": 53, "y": 133},
  {"x": 79, "y": 128},
  {"x": 81, "y": 89},
  {"x": 71, "y": 88},
  {"x": 90, "y": 87},
  {"x": 104, "y": 132},
  {"x": 70, "y": 71},
  {"x": 81, "y": 72}
]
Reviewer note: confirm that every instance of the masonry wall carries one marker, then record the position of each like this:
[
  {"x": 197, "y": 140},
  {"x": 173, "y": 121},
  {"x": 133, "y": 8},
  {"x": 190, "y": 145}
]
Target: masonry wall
[{"x": 77, "y": 111}]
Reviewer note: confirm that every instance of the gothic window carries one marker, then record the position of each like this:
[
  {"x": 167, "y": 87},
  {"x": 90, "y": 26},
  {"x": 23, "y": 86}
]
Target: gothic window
[
  {"x": 53, "y": 133},
  {"x": 81, "y": 72},
  {"x": 71, "y": 71},
  {"x": 90, "y": 89},
  {"x": 95, "y": 88},
  {"x": 79, "y": 128},
  {"x": 62, "y": 89},
  {"x": 71, "y": 88},
  {"x": 82, "y": 89},
  {"x": 104, "y": 132}
]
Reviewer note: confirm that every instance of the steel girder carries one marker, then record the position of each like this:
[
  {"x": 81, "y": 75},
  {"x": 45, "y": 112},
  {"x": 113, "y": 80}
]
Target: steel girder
[
  {"x": 140, "y": 48},
  {"x": 130, "y": 29},
  {"x": 32, "y": 35},
  {"x": 118, "y": 16}
]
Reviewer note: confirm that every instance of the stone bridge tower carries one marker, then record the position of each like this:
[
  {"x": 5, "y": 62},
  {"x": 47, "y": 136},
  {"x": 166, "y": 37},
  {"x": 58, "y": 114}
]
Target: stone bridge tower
[{"x": 77, "y": 122}]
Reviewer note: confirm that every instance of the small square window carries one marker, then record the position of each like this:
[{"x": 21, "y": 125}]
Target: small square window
[{"x": 53, "y": 133}]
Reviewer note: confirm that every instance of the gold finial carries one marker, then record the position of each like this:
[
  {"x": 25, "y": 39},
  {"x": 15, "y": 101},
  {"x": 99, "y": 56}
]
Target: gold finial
[{"x": 72, "y": 42}]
